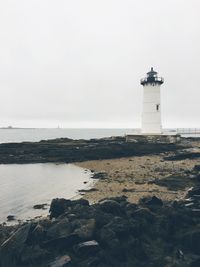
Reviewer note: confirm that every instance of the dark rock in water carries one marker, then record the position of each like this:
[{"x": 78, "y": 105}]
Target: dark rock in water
[
  {"x": 40, "y": 206},
  {"x": 10, "y": 218},
  {"x": 88, "y": 190},
  {"x": 58, "y": 206},
  {"x": 88, "y": 248},
  {"x": 99, "y": 175},
  {"x": 63, "y": 261},
  {"x": 12, "y": 248}
]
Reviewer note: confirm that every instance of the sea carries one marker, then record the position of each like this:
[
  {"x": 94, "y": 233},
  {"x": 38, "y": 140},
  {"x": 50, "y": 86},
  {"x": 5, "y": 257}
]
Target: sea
[
  {"x": 35, "y": 134},
  {"x": 24, "y": 185}
]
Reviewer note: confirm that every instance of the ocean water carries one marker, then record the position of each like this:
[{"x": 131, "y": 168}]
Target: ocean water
[
  {"x": 36, "y": 134},
  {"x": 24, "y": 185}
]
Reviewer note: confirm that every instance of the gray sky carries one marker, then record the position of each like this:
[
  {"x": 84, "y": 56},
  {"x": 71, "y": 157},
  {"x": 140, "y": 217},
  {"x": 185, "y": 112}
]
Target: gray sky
[{"x": 78, "y": 62}]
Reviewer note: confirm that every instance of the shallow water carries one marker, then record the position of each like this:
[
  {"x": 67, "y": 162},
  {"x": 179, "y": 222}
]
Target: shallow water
[{"x": 23, "y": 186}]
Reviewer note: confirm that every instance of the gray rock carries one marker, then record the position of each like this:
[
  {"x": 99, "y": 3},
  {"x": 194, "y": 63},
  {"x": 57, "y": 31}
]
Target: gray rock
[
  {"x": 61, "y": 242},
  {"x": 34, "y": 254},
  {"x": 86, "y": 230},
  {"x": 63, "y": 261},
  {"x": 88, "y": 248},
  {"x": 10, "y": 218},
  {"x": 40, "y": 206},
  {"x": 58, "y": 206},
  {"x": 154, "y": 201},
  {"x": 111, "y": 206},
  {"x": 37, "y": 235},
  {"x": 59, "y": 229}
]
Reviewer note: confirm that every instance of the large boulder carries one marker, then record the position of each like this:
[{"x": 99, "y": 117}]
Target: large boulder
[
  {"x": 59, "y": 228},
  {"x": 63, "y": 261},
  {"x": 119, "y": 226},
  {"x": 88, "y": 248},
  {"x": 86, "y": 229},
  {"x": 111, "y": 206},
  {"x": 106, "y": 235},
  {"x": 37, "y": 235},
  {"x": 155, "y": 201},
  {"x": 58, "y": 206},
  {"x": 60, "y": 243},
  {"x": 102, "y": 218}
]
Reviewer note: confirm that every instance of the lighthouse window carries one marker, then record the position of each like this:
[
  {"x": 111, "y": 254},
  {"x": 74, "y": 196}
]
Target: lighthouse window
[{"x": 157, "y": 107}]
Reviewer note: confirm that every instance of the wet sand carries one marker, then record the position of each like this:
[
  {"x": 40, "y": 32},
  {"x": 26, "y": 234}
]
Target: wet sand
[{"x": 133, "y": 174}]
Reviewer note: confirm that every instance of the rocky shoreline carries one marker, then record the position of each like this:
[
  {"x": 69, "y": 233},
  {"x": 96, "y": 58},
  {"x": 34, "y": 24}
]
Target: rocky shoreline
[
  {"x": 112, "y": 232},
  {"x": 143, "y": 211},
  {"x": 67, "y": 150}
]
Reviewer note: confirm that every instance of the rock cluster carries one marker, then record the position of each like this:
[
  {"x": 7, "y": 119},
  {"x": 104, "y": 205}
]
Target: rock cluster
[{"x": 111, "y": 233}]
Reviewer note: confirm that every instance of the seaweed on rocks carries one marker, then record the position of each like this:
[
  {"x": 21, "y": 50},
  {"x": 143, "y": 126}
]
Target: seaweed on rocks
[{"x": 68, "y": 150}]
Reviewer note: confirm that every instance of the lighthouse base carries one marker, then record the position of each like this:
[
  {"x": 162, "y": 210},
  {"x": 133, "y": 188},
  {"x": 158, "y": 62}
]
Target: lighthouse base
[{"x": 153, "y": 138}]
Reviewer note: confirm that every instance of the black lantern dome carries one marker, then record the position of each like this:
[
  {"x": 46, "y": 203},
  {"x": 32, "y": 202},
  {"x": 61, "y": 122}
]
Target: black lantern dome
[{"x": 152, "y": 78}]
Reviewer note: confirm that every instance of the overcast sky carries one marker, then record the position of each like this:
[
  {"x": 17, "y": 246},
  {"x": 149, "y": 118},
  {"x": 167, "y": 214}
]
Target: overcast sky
[{"x": 78, "y": 63}]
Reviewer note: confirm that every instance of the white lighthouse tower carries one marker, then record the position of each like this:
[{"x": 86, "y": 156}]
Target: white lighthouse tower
[{"x": 151, "y": 114}]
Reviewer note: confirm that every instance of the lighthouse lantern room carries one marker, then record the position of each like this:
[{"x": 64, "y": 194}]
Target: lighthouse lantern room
[{"x": 151, "y": 113}]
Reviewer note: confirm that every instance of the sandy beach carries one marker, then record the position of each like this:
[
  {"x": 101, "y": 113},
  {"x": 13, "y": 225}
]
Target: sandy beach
[{"x": 132, "y": 177}]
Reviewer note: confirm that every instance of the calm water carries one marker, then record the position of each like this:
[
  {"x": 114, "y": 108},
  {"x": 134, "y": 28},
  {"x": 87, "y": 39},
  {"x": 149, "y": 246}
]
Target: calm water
[
  {"x": 23, "y": 186},
  {"x": 20, "y": 135}
]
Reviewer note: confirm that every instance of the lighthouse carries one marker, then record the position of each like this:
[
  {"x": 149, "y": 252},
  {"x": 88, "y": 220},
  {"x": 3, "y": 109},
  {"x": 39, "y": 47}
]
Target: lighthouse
[
  {"x": 151, "y": 131},
  {"x": 151, "y": 112}
]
